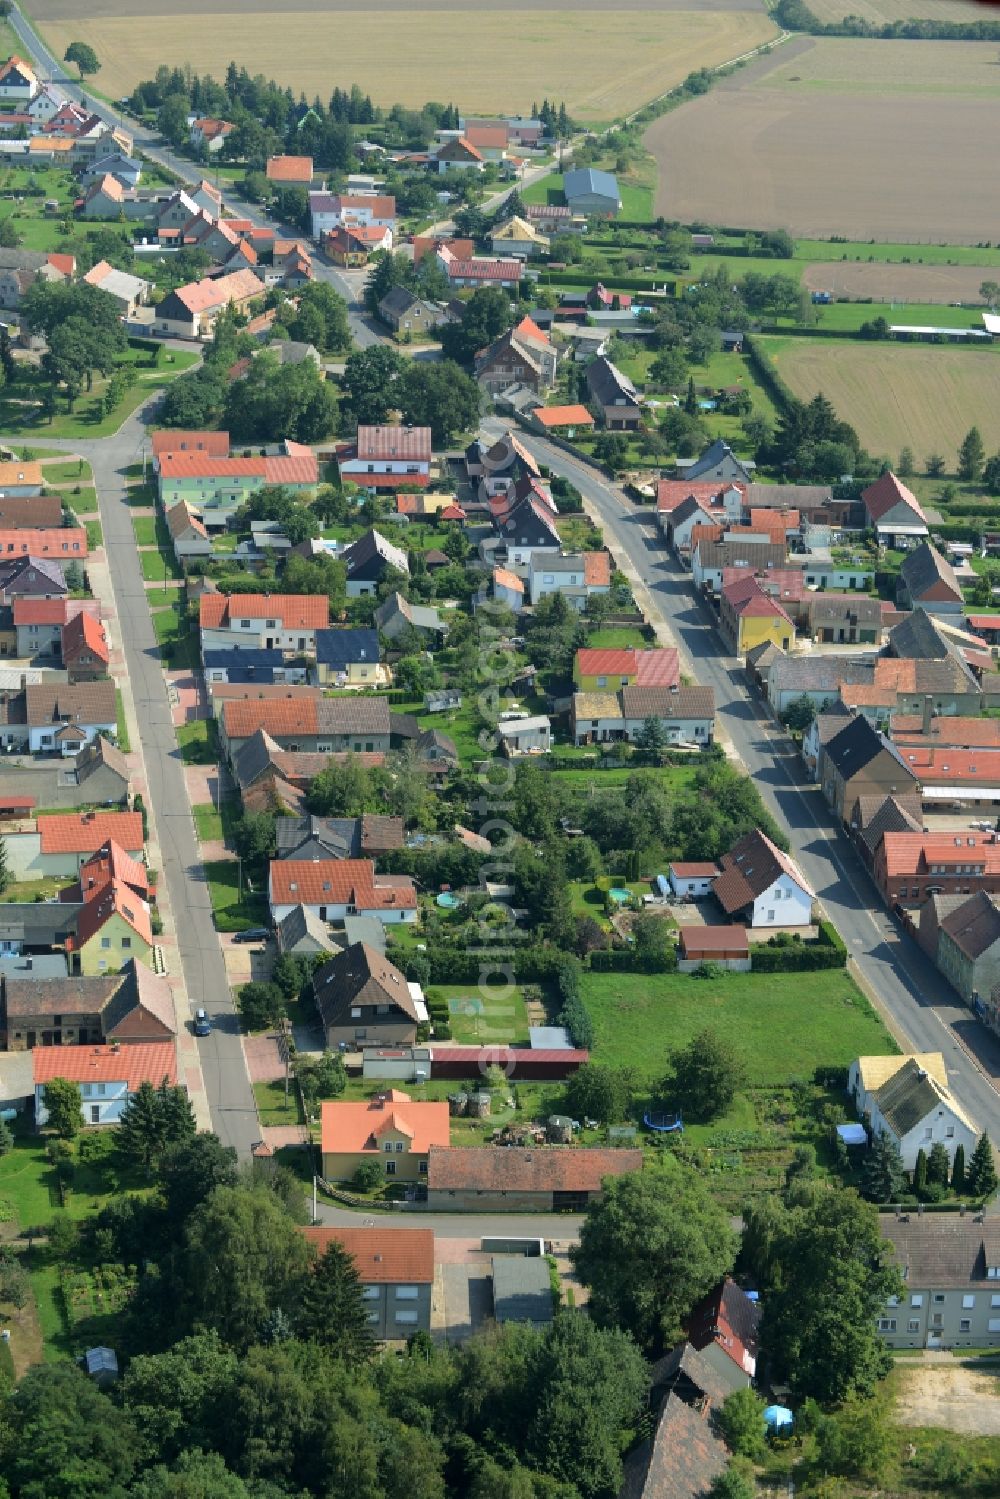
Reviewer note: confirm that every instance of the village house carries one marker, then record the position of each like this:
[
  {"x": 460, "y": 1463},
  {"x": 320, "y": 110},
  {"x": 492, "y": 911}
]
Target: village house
[
  {"x": 363, "y": 1000},
  {"x": 518, "y": 237},
  {"x": 619, "y": 402},
  {"x": 354, "y": 244},
  {"x": 19, "y": 82},
  {"x": 525, "y": 736},
  {"x": 124, "y": 1009},
  {"x": 691, "y": 879},
  {"x": 107, "y": 1076},
  {"x": 332, "y": 210},
  {"x": 685, "y": 715},
  {"x": 406, "y": 313},
  {"x": 59, "y": 843},
  {"x": 130, "y": 292},
  {"x": 595, "y": 669},
  {"x": 396, "y": 616},
  {"x": 313, "y": 724},
  {"x": 911, "y": 867},
  {"x": 545, "y": 1179},
  {"x": 39, "y": 623},
  {"x": 561, "y": 419},
  {"x": 390, "y": 1129},
  {"x": 927, "y": 580},
  {"x": 337, "y": 888},
  {"x": 762, "y": 886},
  {"x": 893, "y": 512},
  {"x": 914, "y": 1108},
  {"x": 215, "y": 486},
  {"x": 369, "y": 561},
  {"x": 527, "y": 526},
  {"x": 369, "y": 836},
  {"x": 289, "y": 171},
  {"x": 20, "y": 269},
  {"x": 387, "y": 458},
  {"x": 710, "y": 559},
  {"x": 97, "y": 776},
  {"x": 874, "y": 816},
  {"x": 523, "y": 355},
  {"x": 684, "y": 1455},
  {"x": 85, "y": 651},
  {"x": 270, "y": 622},
  {"x": 349, "y": 658},
  {"x": 508, "y": 589},
  {"x": 951, "y": 1265},
  {"x": 191, "y": 311},
  {"x": 961, "y": 934},
  {"x": 749, "y": 616},
  {"x": 476, "y": 271},
  {"x": 578, "y": 578},
  {"x": 859, "y": 761},
  {"x": 719, "y": 464},
  {"x": 61, "y": 717},
  {"x": 396, "y": 1272},
  {"x": 458, "y": 155},
  {"x": 211, "y": 134}
]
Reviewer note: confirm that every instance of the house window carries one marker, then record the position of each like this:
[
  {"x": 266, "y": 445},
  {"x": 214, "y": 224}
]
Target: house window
[
  {"x": 423, "y": 1168},
  {"x": 939, "y": 1298},
  {"x": 887, "y": 1324},
  {"x": 399, "y": 1147},
  {"x": 373, "y": 1316},
  {"x": 965, "y": 1324},
  {"x": 126, "y": 942},
  {"x": 993, "y": 1325},
  {"x": 917, "y": 1300},
  {"x": 949, "y": 1133},
  {"x": 407, "y": 1293},
  {"x": 995, "y": 1301},
  {"x": 602, "y": 681},
  {"x": 105, "y": 941},
  {"x": 390, "y": 1168},
  {"x": 968, "y": 1302},
  {"x": 928, "y": 1132},
  {"x": 95, "y": 1113},
  {"x": 913, "y": 1325},
  {"x": 370, "y": 1293},
  {"x": 355, "y": 1014},
  {"x": 937, "y": 1320},
  {"x": 387, "y": 1147},
  {"x": 409, "y": 1318}
]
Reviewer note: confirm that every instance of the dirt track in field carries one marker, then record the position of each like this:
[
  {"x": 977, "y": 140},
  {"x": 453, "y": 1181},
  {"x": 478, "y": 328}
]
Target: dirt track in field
[
  {"x": 900, "y": 283},
  {"x": 864, "y": 139},
  {"x": 948, "y": 1394}
]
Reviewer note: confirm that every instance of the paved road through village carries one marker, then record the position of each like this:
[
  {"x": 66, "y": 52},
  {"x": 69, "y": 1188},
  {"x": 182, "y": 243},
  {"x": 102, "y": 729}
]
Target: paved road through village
[{"x": 921, "y": 1005}]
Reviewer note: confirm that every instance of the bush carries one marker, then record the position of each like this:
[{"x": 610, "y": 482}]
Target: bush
[
  {"x": 575, "y": 1016},
  {"x": 368, "y": 1176}
]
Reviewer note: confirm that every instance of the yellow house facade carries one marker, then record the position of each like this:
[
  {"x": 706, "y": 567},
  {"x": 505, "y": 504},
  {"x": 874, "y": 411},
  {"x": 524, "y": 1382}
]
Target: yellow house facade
[
  {"x": 388, "y": 1129},
  {"x": 750, "y": 617},
  {"x": 107, "y": 939}
]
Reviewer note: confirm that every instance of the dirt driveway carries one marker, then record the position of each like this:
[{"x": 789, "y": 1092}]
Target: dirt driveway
[{"x": 939, "y": 1390}]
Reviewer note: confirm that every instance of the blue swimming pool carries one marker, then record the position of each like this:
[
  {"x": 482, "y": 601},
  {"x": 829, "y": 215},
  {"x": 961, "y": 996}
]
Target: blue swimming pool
[
  {"x": 447, "y": 901},
  {"x": 620, "y": 895}
]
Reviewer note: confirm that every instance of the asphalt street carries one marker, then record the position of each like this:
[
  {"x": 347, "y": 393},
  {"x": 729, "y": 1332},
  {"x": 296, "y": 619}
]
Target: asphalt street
[
  {"x": 922, "y": 1006},
  {"x": 230, "y": 1097}
]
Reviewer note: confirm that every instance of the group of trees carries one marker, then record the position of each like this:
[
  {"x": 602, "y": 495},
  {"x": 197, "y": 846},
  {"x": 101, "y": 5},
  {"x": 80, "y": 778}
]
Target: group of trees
[
  {"x": 83, "y": 329},
  {"x": 437, "y": 394}
]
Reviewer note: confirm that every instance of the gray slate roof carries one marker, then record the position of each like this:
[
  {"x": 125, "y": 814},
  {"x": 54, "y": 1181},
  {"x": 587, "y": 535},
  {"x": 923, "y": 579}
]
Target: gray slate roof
[
  {"x": 661, "y": 702},
  {"x": 942, "y": 1251},
  {"x": 815, "y": 673},
  {"x": 925, "y": 566},
  {"x": 359, "y": 974},
  {"x": 915, "y": 638},
  {"x": 907, "y": 1098},
  {"x": 890, "y": 814},
  {"x": 681, "y": 1460},
  {"x": 975, "y": 926},
  {"x": 522, "y": 1289},
  {"x": 858, "y": 745},
  {"x": 608, "y": 385}
]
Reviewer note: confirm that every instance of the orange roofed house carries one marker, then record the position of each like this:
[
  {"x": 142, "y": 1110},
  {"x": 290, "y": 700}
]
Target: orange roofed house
[
  {"x": 215, "y": 487},
  {"x": 396, "y": 1271},
  {"x": 290, "y": 170},
  {"x": 597, "y": 669},
  {"x": 390, "y": 1129},
  {"x": 387, "y": 458},
  {"x": 107, "y": 1076},
  {"x": 259, "y": 621},
  {"x": 191, "y": 311},
  {"x": 335, "y": 888}
]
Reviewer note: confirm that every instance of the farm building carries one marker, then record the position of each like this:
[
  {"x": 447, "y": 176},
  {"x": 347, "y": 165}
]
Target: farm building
[{"x": 512, "y": 1178}]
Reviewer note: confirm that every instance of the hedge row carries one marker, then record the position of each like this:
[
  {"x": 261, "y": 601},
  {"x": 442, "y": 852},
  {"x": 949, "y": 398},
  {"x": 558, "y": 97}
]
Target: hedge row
[
  {"x": 767, "y": 375},
  {"x": 828, "y": 951},
  {"x": 627, "y": 960}
]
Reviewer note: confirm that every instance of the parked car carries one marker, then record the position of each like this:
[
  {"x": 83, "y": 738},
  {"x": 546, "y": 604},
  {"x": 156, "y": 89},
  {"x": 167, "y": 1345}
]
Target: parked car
[
  {"x": 252, "y": 934},
  {"x": 202, "y": 1024}
]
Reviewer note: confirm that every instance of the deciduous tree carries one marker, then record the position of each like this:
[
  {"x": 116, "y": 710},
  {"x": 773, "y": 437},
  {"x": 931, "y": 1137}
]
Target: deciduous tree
[
  {"x": 84, "y": 56},
  {"x": 649, "y": 1250},
  {"x": 971, "y": 455},
  {"x": 62, "y": 1104},
  {"x": 705, "y": 1075}
]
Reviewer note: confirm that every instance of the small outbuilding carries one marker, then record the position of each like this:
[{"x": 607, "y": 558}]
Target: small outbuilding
[
  {"x": 522, "y": 1290},
  {"x": 101, "y": 1365}
]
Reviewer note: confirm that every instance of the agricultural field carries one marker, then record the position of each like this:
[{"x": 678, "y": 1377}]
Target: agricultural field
[
  {"x": 883, "y": 140},
  {"x": 564, "y": 49},
  {"x": 922, "y": 396},
  {"x": 888, "y": 282}
]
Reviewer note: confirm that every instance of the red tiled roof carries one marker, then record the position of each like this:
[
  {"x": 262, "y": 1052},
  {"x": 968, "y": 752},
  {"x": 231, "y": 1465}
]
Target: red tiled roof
[
  {"x": 60, "y": 541},
  {"x": 143, "y": 1062},
  {"x": 487, "y": 137},
  {"x": 751, "y": 867},
  {"x": 648, "y": 668},
  {"x": 563, "y": 416},
  {"x": 484, "y": 270},
  {"x": 111, "y": 863},
  {"x": 695, "y": 869},
  {"x": 29, "y": 611},
  {"x": 552, "y": 1168},
  {"x": 730, "y": 940},
  {"x": 401, "y": 1256},
  {"x": 84, "y": 633},
  {"x": 673, "y": 492},
  {"x": 238, "y": 286},
  {"x": 66, "y": 264},
  {"x": 174, "y": 440},
  {"x": 376, "y": 444},
  {"x": 296, "y": 611},
  {"x": 944, "y": 765},
  {"x": 84, "y": 832},
  {"x": 963, "y": 733},
  {"x": 597, "y": 569},
  {"x": 337, "y": 882},
  {"x": 289, "y": 168},
  {"x": 112, "y": 899},
  {"x": 885, "y": 493},
  {"x": 506, "y": 579},
  {"x": 353, "y": 1128},
  {"x": 282, "y": 718},
  {"x": 787, "y": 520},
  {"x": 914, "y": 853}
]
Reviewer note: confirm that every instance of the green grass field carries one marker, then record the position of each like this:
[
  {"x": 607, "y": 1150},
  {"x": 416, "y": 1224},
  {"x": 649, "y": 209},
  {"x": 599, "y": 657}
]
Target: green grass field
[
  {"x": 198, "y": 743},
  {"x": 222, "y": 876},
  {"x": 84, "y": 503},
  {"x": 124, "y": 742},
  {"x": 639, "y": 1018},
  {"x": 156, "y": 565},
  {"x": 151, "y": 531},
  {"x": 72, "y": 471},
  {"x": 177, "y": 640},
  {"x": 922, "y": 314},
  {"x": 95, "y": 536},
  {"x": 272, "y": 1106},
  {"x": 214, "y": 823},
  {"x": 478, "y": 1019},
  {"x": 617, "y": 637}
]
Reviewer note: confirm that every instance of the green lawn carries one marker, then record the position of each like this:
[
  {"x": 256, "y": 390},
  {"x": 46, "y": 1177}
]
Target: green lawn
[
  {"x": 72, "y": 471},
  {"x": 177, "y": 641},
  {"x": 272, "y": 1106},
  {"x": 156, "y": 565},
  {"x": 478, "y": 1019},
  {"x": 151, "y": 531},
  {"x": 222, "y": 876},
  {"x": 95, "y": 536},
  {"x": 617, "y": 637},
  {"x": 84, "y": 503},
  {"x": 821, "y": 249},
  {"x": 939, "y": 315},
  {"x": 24, "y": 891},
  {"x": 21, "y": 411},
  {"x": 28, "y": 1182},
  {"x": 124, "y": 742},
  {"x": 214, "y": 823},
  {"x": 197, "y": 741},
  {"x": 639, "y": 1018},
  {"x": 546, "y": 190}
]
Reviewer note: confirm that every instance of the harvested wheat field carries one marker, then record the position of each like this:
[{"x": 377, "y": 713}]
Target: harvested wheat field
[
  {"x": 892, "y": 282},
  {"x": 862, "y": 139},
  {"x": 881, "y": 12},
  {"x": 922, "y": 396},
  {"x": 600, "y": 67}
]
